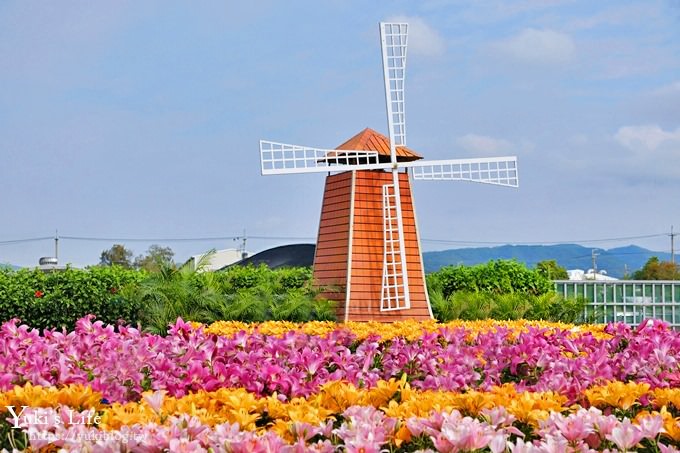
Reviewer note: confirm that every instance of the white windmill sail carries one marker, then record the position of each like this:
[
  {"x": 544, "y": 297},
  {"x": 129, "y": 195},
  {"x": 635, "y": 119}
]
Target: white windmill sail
[
  {"x": 281, "y": 158},
  {"x": 501, "y": 171},
  {"x": 395, "y": 291}
]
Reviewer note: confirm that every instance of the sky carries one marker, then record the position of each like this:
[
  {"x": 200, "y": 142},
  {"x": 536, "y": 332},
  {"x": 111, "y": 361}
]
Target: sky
[{"x": 138, "y": 122}]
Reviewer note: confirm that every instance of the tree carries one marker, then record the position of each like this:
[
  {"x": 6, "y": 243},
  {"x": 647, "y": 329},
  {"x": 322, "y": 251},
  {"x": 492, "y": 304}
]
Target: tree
[
  {"x": 155, "y": 256},
  {"x": 654, "y": 269},
  {"x": 552, "y": 270},
  {"x": 117, "y": 255}
]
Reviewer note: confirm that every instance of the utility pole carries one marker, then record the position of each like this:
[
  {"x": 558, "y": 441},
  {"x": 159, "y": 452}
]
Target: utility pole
[
  {"x": 244, "y": 254},
  {"x": 675, "y": 268},
  {"x": 594, "y": 256},
  {"x": 242, "y": 247},
  {"x": 56, "y": 245},
  {"x": 672, "y": 235}
]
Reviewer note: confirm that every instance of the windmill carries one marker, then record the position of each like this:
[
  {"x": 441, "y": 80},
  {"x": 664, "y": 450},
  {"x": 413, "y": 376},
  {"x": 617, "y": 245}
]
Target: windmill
[{"x": 368, "y": 245}]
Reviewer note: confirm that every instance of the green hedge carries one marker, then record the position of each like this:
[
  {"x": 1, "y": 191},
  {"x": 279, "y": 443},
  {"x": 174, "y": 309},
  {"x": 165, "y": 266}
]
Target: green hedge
[
  {"x": 501, "y": 289},
  {"x": 58, "y": 299},
  {"x": 483, "y": 305},
  {"x": 236, "y": 278},
  {"x": 495, "y": 277},
  {"x": 249, "y": 294},
  {"x": 497, "y": 289}
]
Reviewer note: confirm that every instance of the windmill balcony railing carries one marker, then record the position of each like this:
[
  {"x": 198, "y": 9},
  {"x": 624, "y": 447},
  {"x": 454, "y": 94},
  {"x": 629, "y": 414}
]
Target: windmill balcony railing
[{"x": 627, "y": 301}]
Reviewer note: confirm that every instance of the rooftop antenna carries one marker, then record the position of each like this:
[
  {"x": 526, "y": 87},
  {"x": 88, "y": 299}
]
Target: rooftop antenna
[{"x": 368, "y": 197}]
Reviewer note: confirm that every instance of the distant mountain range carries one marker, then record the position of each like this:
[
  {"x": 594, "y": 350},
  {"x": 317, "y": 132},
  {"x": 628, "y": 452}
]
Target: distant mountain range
[
  {"x": 571, "y": 256},
  {"x": 617, "y": 261}
]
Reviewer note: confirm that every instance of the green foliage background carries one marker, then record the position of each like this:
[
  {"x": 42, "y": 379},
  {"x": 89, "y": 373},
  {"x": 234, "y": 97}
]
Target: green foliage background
[
  {"x": 250, "y": 294},
  {"x": 499, "y": 289},
  {"x": 58, "y": 299},
  {"x": 155, "y": 299},
  {"x": 655, "y": 269},
  {"x": 495, "y": 277}
]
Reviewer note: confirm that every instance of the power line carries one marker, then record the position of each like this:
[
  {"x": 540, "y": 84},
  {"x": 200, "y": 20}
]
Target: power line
[
  {"x": 123, "y": 239},
  {"x": 305, "y": 238},
  {"x": 624, "y": 238},
  {"x": 284, "y": 238},
  {"x": 608, "y": 254},
  {"x": 190, "y": 239},
  {"x": 18, "y": 241}
]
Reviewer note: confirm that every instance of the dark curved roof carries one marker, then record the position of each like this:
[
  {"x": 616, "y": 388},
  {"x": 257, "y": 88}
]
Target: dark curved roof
[{"x": 293, "y": 255}]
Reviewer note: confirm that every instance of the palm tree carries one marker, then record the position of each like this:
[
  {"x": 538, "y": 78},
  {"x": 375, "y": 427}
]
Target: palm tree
[{"x": 172, "y": 293}]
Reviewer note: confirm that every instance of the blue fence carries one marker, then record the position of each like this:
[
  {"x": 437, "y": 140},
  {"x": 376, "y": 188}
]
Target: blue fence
[{"x": 628, "y": 301}]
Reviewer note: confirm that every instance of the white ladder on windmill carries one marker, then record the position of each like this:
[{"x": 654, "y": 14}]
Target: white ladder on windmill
[{"x": 393, "y": 279}]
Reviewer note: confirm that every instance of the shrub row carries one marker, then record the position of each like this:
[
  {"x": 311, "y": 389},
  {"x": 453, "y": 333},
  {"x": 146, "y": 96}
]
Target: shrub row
[
  {"x": 471, "y": 306},
  {"x": 56, "y": 299},
  {"x": 499, "y": 289},
  {"x": 250, "y": 294},
  {"x": 113, "y": 294},
  {"x": 494, "y": 277}
]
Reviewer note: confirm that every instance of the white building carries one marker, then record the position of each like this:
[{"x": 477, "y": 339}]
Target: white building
[
  {"x": 218, "y": 259},
  {"x": 580, "y": 274}
]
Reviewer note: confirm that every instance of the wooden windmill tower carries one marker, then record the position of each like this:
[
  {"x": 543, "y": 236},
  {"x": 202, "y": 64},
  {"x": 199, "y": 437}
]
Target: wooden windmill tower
[{"x": 368, "y": 248}]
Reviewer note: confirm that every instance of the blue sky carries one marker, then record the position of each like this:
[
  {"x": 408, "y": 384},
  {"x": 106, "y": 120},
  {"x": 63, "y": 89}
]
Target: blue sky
[{"x": 142, "y": 119}]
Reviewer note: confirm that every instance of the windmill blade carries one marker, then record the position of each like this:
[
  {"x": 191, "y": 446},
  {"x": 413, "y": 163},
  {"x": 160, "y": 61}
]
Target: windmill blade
[
  {"x": 281, "y": 158},
  {"x": 393, "y": 39},
  {"x": 501, "y": 171}
]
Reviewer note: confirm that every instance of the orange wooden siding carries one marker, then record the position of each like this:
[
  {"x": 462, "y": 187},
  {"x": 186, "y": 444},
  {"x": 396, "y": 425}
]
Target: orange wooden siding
[
  {"x": 366, "y": 239},
  {"x": 367, "y": 251},
  {"x": 330, "y": 258}
]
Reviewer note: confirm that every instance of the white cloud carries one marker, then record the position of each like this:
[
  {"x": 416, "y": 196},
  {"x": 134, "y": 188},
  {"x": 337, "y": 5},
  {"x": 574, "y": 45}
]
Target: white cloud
[
  {"x": 539, "y": 46},
  {"x": 578, "y": 140},
  {"x": 422, "y": 38},
  {"x": 646, "y": 137},
  {"x": 671, "y": 89},
  {"x": 654, "y": 153},
  {"x": 616, "y": 16},
  {"x": 481, "y": 143}
]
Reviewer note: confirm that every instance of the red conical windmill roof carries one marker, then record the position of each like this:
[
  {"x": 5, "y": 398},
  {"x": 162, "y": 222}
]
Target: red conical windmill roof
[{"x": 370, "y": 140}]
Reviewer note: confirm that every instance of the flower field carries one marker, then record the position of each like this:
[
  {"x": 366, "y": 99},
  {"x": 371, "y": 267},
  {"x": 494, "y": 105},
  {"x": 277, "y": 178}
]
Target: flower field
[{"x": 489, "y": 386}]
